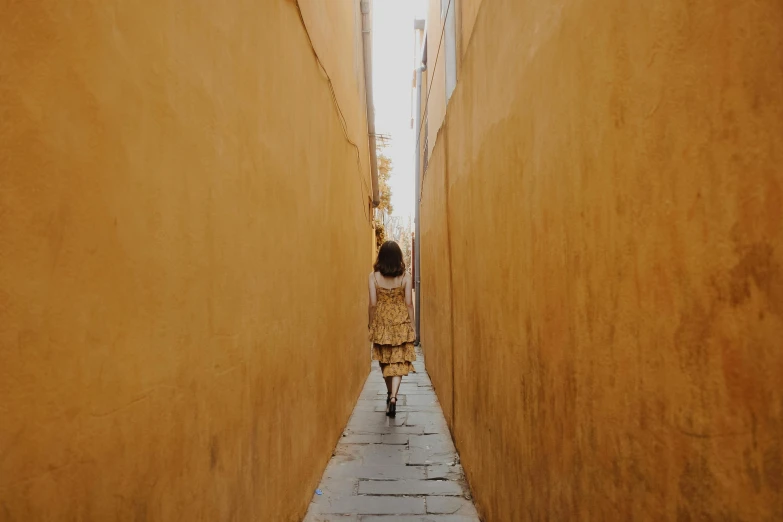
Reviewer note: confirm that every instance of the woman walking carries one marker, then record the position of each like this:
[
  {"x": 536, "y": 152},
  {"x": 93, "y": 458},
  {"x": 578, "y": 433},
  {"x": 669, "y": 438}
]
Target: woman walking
[{"x": 391, "y": 317}]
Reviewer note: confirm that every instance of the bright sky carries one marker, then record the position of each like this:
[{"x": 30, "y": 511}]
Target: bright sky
[{"x": 393, "y": 42}]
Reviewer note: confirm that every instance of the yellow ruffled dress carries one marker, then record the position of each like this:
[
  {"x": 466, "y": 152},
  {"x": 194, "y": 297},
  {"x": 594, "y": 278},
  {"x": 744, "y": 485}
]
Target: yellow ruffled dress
[{"x": 391, "y": 333}]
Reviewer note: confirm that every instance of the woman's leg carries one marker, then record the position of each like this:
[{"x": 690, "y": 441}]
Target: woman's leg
[
  {"x": 395, "y": 385},
  {"x": 388, "y": 381}
]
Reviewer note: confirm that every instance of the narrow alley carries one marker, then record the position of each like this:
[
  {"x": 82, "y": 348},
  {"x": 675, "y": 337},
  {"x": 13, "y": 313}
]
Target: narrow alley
[
  {"x": 584, "y": 200},
  {"x": 403, "y": 469}
]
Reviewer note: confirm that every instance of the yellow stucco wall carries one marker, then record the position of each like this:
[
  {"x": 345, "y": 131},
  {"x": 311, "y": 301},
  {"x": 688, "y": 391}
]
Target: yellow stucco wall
[
  {"x": 613, "y": 191},
  {"x": 436, "y": 281},
  {"x": 183, "y": 261},
  {"x": 468, "y": 11},
  {"x": 336, "y": 31}
]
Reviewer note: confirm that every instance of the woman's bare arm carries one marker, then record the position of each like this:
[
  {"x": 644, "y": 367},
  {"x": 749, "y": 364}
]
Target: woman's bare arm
[
  {"x": 373, "y": 300},
  {"x": 409, "y": 297}
]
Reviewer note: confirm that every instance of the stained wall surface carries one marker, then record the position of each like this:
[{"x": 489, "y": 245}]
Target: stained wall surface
[
  {"x": 170, "y": 346},
  {"x": 609, "y": 184},
  {"x": 436, "y": 281}
]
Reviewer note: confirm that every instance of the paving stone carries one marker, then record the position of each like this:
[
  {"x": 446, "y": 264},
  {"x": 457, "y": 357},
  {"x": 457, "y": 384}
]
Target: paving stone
[
  {"x": 394, "y": 438},
  {"x": 333, "y": 490},
  {"x": 409, "y": 487},
  {"x": 348, "y": 453},
  {"x": 358, "y": 423},
  {"x": 343, "y": 459},
  {"x": 444, "y": 471},
  {"x": 385, "y": 455},
  {"x": 374, "y": 472},
  {"x": 422, "y": 400},
  {"x": 420, "y": 518},
  {"x": 371, "y": 505},
  {"x": 380, "y": 400},
  {"x": 450, "y": 506},
  {"x": 417, "y": 430},
  {"x": 414, "y": 390},
  {"x": 364, "y": 405},
  {"x": 422, "y": 418},
  {"x": 319, "y": 517},
  {"x": 361, "y": 438},
  {"x": 403, "y": 408},
  {"x": 434, "y": 442},
  {"x": 423, "y": 457},
  {"x": 395, "y": 470},
  {"x": 338, "y": 487},
  {"x": 435, "y": 428}
]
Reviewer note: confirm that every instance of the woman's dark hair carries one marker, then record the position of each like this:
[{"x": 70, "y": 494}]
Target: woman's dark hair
[{"x": 390, "y": 262}]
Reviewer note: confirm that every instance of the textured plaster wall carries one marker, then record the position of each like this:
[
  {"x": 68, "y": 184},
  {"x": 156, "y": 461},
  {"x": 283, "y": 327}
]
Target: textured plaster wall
[
  {"x": 436, "y": 281},
  {"x": 336, "y": 31},
  {"x": 183, "y": 254},
  {"x": 608, "y": 182},
  {"x": 468, "y": 11}
]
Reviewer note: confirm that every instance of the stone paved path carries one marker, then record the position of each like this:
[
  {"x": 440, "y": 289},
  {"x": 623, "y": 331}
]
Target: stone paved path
[{"x": 404, "y": 469}]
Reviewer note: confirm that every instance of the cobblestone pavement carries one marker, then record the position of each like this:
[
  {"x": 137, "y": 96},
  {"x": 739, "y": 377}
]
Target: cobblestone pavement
[{"x": 404, "y": 469}]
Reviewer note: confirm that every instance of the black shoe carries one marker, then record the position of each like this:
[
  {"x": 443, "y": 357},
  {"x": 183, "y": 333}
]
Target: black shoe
[
  {"x": 392, "y": 407},
  {"x": 388, "y": 399}
]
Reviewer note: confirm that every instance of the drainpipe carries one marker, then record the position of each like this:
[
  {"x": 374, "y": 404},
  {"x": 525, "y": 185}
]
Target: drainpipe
[
  {"x": 366, "y": 8},
  {"x": 417, "y": 233}
]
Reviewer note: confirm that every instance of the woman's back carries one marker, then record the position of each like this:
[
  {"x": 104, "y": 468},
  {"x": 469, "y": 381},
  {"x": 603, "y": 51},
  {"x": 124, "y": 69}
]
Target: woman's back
[
  {"x": 391, "y": 323},
  {"x": 390, "y": 297},
  {"x": 389, "y": 283}
]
